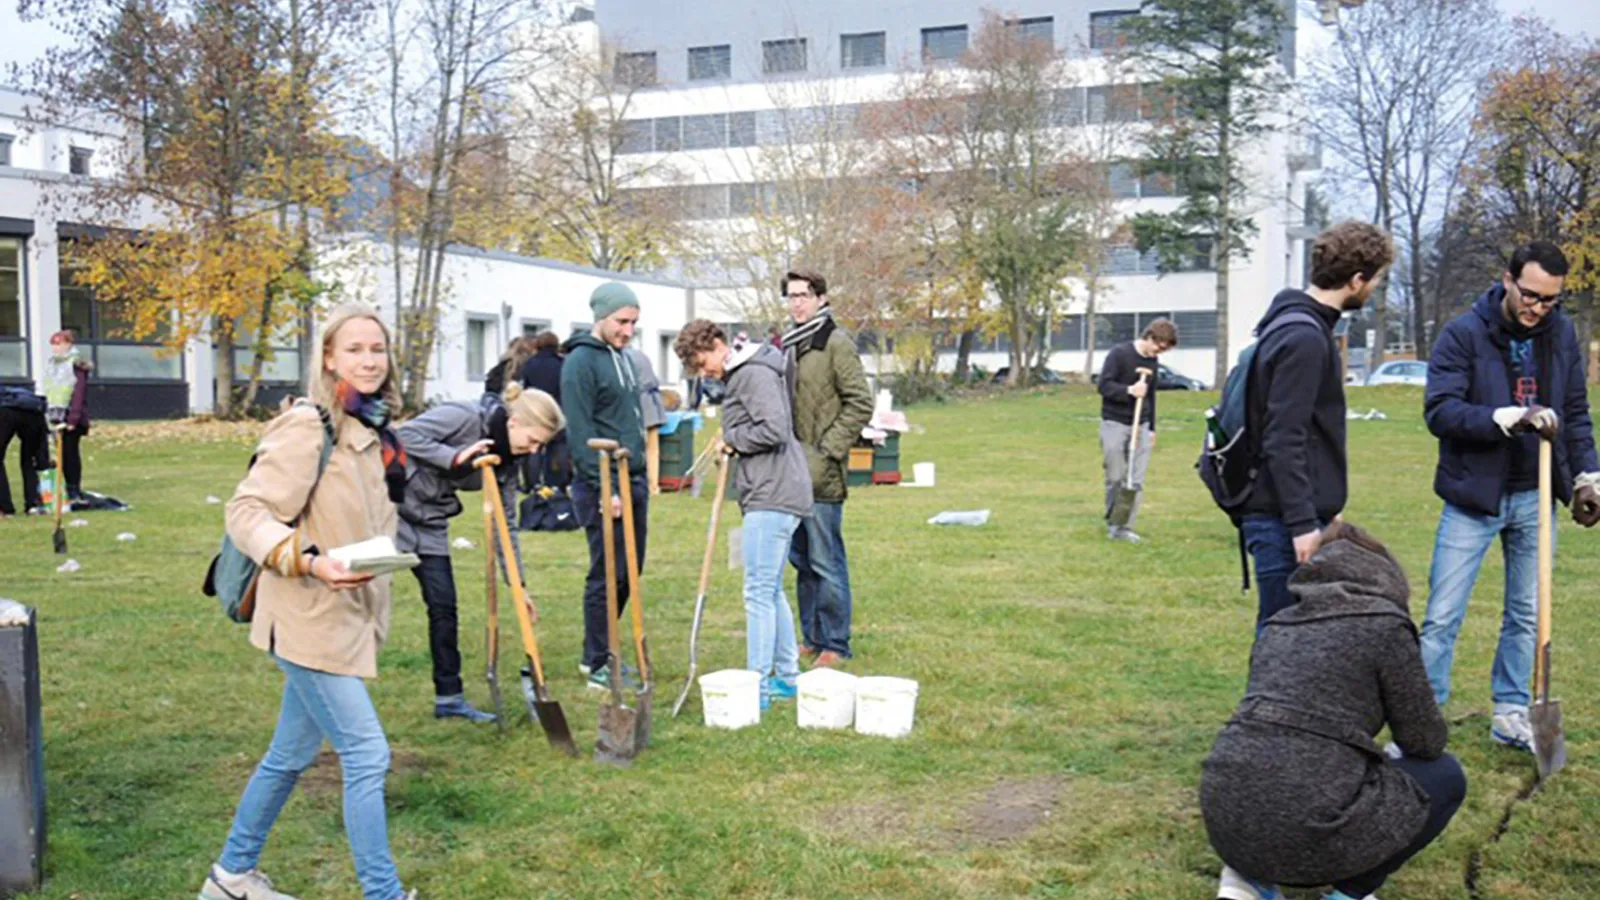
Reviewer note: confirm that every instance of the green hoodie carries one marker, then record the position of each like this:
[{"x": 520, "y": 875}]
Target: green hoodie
[{"x": 600, "y": 397}]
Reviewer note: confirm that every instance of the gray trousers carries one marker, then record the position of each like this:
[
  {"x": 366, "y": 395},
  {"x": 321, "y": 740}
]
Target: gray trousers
[{"x": 1114, "y": 438}]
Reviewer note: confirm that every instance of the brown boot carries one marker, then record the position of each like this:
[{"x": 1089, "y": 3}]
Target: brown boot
[
  {"x": 827, "y": 659},
  {"x": 807, "y": 652}
]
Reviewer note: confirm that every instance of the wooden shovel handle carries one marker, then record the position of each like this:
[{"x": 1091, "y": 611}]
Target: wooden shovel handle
[
  {"x": 724, "y": 463},
  {"x": 1541, "y": 674},
  {"x": 608, "y": 541},
  {"x": 513, "y": 571},
  {"x": 630, "y": 554}
]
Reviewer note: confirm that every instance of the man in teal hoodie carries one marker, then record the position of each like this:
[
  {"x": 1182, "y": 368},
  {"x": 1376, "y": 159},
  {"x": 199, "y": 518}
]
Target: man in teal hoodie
[{"x": 600, "y": 397}]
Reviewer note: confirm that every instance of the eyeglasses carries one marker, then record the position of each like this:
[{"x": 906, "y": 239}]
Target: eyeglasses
[
  {"x": 805, "y": 296},
  {"x": 1534, "y": 298}
]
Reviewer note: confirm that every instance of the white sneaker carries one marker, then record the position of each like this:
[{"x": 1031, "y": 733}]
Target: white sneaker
[
  {"x": 1511, "y": 728},
  {"x": 1340, "y": 895},
  {"x": 252, "y": 885},
  {"x": 1237, "y": 887}
]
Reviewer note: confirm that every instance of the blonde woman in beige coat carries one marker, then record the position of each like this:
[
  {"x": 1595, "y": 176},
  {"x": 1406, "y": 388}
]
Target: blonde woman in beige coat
[{"x": 321, "y": 623}]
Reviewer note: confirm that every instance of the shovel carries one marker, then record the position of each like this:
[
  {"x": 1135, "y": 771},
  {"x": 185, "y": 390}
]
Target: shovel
[
  {"x": 705, "y": 583},
  {"x": 1549, "y": 744},
  {"x": 59, "y": 538},
  {"x": 1127, "y": 495},
  {"x": 547, "y": 711},
  {"x": 617, "y": 741},
  {"x": 492, "y": 629},
  {"x": 643, "y": 699}
]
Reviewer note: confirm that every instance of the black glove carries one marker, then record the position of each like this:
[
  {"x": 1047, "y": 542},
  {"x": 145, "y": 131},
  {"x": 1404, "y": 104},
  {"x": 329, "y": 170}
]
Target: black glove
[
  {"x": 1586, "y": 506},
  {"x": 1538, "y": 418}
]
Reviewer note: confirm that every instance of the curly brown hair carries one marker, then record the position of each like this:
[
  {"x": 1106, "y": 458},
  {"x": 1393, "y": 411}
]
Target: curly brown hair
[
  {"x": 1347, "y": 250},
  {"x": 699, "y": 336}
]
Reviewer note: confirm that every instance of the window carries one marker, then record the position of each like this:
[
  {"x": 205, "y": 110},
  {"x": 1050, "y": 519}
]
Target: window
[
  {"x": 669, "y": 135},
  {"x": 282, "y": 365},
  {"x": 637, "y": 136},
  {"x": 788, "y": 55},
  {"x": 1105, "y": 27},
  {"x": 1124, "y": 181},
  {"x": 944, "y": 44},
  {"x": 533, "y": 327},
  {"x": 13, "y": 348},
  {"x": 1068, "y": 335},
  {"x": 635, "y": 69},
  {"x": 481, "y": 341},
  {"x": 742, "y": 129},
  {"x": 78, "y": 163},
  {"x": 666, "y": 358},
  {"x": 705, "y": 132},
  {"x": 1112, "y": 329},
  {"x": 1157, "y": 184},
  {"x": 1042, "y": 29},
  {"x": 752, "y": 199},
  {"x": 708, "y": 63},
  {"x": 5, "y": 149},
  {"x": 1066, "y": 107},
  {"x": 1113, "y": 103},
  {"x": 105, "y": 333},
  {"x": 1196, "y": 329},
  {"x": 861, "y": 51},
  {"x": 705, "y": 201},
  {"x": 1157, "y": 103}
]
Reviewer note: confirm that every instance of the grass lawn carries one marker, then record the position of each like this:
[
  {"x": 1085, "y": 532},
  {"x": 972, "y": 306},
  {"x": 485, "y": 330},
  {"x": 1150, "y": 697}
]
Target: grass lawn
[{"x": 1070, "y": 688}]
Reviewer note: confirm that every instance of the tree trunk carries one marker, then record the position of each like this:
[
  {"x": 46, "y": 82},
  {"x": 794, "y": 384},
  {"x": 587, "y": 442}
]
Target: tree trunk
[
  {"x": 258, "y": 351},
  {"x": 1224, "y": 253},
  {"x": 222, "y": 357},
  {"x": 1088, "y": 318},
  {"x": 964, "y": 354},
  {"x": 1019, "y": 346}
]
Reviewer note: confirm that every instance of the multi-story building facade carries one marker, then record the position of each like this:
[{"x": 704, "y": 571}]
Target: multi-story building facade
[{"x": 717, "y": 84}]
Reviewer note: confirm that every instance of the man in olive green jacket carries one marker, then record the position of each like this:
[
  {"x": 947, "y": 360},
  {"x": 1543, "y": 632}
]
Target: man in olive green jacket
[{"x": 832, "y": 403}]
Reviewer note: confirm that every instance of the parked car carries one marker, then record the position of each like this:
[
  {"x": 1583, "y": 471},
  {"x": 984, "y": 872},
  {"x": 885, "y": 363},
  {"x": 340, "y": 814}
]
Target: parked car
[
  {"x": 1040, "y": 376},
  {"x": 1400, "y": 371},
  {"x": 1168, "y": 379}
]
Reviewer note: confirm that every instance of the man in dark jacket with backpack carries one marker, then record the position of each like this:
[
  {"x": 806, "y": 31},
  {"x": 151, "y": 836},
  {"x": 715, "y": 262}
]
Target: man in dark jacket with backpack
[
  {"x": 1296, "y": 410},
  {"x": 1504, "y": 376}
]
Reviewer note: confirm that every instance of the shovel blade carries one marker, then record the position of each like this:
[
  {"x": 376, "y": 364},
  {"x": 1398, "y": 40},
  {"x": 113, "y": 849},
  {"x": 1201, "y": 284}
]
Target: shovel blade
[
  {"x": 643, "y": 704},
  {"x": 617, "y": 741},
  {"x": 59, "y": 540},
  {"x": 499, "y": 707},
  {"x": 554, "y": 722},
  {"x": 1549, "y": 743},
  {"x": 1122, "y": 507}
]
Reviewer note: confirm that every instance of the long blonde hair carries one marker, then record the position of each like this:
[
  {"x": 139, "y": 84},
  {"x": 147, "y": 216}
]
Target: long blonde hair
[
  {"x": 325, "y": 384},
  {"x": 535, "y": 409}
]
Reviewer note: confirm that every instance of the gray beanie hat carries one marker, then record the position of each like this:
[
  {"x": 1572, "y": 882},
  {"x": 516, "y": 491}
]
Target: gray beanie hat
[{"x": 610, "y": 297}]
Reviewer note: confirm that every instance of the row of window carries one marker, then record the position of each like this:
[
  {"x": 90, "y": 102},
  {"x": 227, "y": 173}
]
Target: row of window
[
  {"x": 1197, "y": 330},
  {"x": 1067, "y": 108},
  {"x": 78, "y": 158},
  {"x": 865, "y": 50}
]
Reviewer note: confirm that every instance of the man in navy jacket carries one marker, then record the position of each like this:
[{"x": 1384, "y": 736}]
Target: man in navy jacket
[{"x": 1504, "y": 375}]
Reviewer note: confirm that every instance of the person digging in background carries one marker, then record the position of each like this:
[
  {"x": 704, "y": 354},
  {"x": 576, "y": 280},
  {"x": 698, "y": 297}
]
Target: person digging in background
[
  {"x": 66, "y": 390},
  {"x": 774, "y": 488},
  {"x": 1504, "y": 375},
  {"x": 542, "y": 371},
  {"x": 1300, "y": 412},
  {"x": 321, "y": 623},
  {"x": 441, "y": 445},
  {"x": 22, "y": 416},
  {"x": 600, "y": 397},
  {"x": 1295, "y": 790},
  {"x": 832, "y": 403},
  {"x": 1121, "y": 389}
]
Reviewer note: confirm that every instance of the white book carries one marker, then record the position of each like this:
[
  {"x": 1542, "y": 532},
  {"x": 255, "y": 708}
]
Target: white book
[{"x": 377, "y": 556}]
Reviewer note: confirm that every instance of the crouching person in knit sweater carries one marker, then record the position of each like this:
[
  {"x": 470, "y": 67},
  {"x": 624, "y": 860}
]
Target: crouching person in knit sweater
[{"x": 1296, "y": 791}]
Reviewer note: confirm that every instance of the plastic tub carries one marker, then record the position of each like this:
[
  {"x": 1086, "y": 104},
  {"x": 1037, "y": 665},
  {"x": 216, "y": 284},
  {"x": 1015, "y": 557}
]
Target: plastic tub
[
  {"x": 827, "y": 699},
  {"x": 731, "y": 698},
  {"x": 886, "y": 707}
]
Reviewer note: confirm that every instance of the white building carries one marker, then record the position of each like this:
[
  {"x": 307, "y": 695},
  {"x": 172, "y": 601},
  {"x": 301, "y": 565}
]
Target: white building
[
  {"x": 491, "y": 297},
  {"x": 724, "y": 78}
]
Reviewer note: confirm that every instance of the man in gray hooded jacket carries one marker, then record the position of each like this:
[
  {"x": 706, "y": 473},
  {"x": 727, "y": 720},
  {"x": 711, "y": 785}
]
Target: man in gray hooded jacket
[{"x": 774, "y": 484}]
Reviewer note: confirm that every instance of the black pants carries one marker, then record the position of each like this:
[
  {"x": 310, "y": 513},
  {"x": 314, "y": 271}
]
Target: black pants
[
  {"x": 439, "y": 593},
  {"x": 72, "y": 461},
  {"x": 1446, "y": 785},
  {"x": 30, "y": 430},
  {"x": 586, "y": 506}
]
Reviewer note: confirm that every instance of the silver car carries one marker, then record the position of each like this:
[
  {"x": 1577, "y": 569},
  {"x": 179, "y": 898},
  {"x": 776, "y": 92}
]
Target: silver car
[{"x": 1400, "y": 371}]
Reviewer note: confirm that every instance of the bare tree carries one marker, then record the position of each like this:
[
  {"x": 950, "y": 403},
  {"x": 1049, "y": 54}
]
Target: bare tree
[{"x": 1394, "y": 100}]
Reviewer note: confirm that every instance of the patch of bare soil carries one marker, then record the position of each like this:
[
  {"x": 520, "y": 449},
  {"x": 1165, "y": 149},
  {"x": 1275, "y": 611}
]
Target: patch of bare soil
[
  {"x": 326, "y": 777},
  {"x": 1008, "y": 811}
]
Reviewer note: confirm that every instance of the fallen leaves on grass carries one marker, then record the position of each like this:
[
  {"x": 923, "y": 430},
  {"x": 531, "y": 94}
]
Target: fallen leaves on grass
[{"x": 198, "y": 430}]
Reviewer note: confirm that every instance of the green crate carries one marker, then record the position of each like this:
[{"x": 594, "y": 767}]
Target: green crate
[
  {"x": 677, "y": 452},
  {"x": 858, "y": 479},
  {"x": 887, "y": 457}
]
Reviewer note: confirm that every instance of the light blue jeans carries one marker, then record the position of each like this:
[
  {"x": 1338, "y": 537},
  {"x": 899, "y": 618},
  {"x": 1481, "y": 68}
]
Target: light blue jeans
[
  {"x": 1463, "y": 541},
  {"x": 769, "y": 625},
  {"x": 318, "y": 705}
]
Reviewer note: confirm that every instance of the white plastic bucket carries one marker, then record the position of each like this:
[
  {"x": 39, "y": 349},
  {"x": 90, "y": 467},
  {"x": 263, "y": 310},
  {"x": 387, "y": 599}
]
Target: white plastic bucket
[
  {"x": 731, "y": 698},
  {"x": 827, "y": 699},
  {"x": 885, "y": 706},
  {"x": 922, "y": 474}
]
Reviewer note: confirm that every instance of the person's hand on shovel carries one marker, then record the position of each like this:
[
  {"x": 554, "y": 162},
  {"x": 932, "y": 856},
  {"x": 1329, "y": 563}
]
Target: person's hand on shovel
[
  {"x": 470, "y": 453},
  {"x": 1514, "y": 420},
  {"x": 1586, "y": 500}
]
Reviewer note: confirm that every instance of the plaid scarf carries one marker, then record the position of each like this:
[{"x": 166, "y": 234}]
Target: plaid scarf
[{"x": 371, "y": 411}]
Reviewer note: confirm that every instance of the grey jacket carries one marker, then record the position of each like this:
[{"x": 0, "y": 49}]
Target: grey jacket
[
  {"x": 758, "y": 423},
  {"x": 432, "y": 441},
  {"x": 1295, "y": 790},
  {"x": 652, "y": 412}
]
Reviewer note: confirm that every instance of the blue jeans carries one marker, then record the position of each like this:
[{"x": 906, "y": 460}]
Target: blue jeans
[
  {"x": 1272, "y": 547},
  {"x": 1458, "y": 551},
  {"x": 586, "y": 507},
  {"x": 823, "y": 582},
  {"x": 768, "y": 623},
  {"x": 318, "y": 705}
]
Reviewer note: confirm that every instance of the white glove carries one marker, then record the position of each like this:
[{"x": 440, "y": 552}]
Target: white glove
[
  {"x": 1587, "y": 479},
  {"x": 1507, "y": 417}
]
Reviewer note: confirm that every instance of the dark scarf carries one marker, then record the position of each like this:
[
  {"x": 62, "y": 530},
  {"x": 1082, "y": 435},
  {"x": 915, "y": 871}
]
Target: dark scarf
[
  {"x": 797, "y": 337},
  {"x": 371, "y": 411}
]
